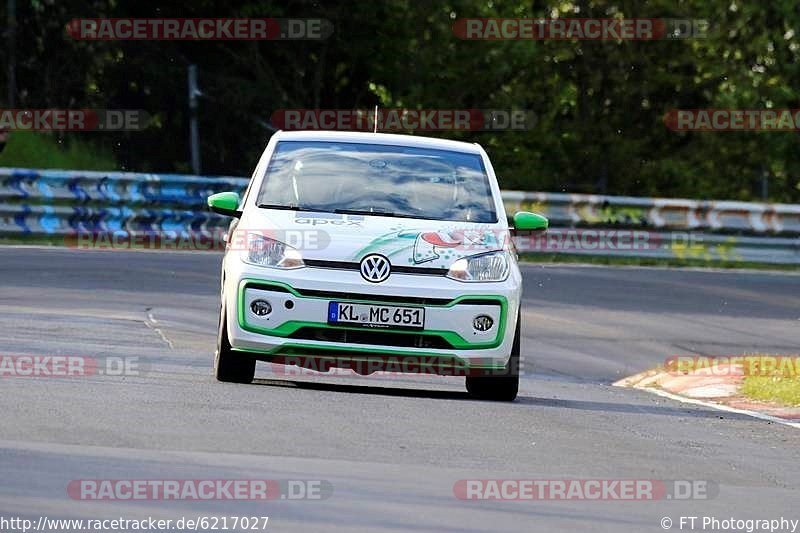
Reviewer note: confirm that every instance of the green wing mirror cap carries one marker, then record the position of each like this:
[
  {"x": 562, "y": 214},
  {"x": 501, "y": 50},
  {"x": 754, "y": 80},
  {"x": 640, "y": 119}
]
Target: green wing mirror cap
[
  {"x": 527, "y": 221},
  {"x": 225, "y": 203}
]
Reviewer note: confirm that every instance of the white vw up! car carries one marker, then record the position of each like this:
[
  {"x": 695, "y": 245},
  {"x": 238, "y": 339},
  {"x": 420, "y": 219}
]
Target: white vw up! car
[{"x": 372, "y": 252}]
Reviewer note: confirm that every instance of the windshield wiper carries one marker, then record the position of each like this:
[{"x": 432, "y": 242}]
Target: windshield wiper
[
  {"x": 338, "y": 211},
  {"x": 285, "y": 207},
  {"x": 363, "y": 212},
  {"x": 372, "y": 213}
]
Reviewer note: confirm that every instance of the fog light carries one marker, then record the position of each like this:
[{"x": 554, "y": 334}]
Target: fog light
[
  {"x": 482, "y": 323},
  {"x": 261, "y": 307}
]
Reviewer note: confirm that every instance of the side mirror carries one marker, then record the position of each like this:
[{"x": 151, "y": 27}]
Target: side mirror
[
  {"x": 225, "y": 203},
  {"x": 526, "y": 221}
]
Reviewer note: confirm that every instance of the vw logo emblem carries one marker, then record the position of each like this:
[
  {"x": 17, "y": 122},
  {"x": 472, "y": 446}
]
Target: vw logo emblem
[{"x": 375, "y": 268}]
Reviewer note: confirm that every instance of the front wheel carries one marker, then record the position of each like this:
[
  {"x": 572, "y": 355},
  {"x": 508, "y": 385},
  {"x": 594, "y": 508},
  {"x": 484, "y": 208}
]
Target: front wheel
[
  {"x": 230, "y": 366},
  {"x": 502, "y": 388}
]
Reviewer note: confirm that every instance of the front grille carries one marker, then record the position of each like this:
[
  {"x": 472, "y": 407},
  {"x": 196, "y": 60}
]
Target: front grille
[
  {"x": 372, "y": 297},
  {"x": 371, "y": 336}
]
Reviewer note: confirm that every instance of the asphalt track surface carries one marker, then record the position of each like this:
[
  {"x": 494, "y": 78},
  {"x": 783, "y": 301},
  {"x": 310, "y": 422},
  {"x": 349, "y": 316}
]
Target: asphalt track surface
[{"x": 392, "y": 448}]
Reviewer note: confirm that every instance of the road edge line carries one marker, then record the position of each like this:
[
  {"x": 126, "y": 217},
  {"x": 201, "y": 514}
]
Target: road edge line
[{"x": 717, "y": 406}]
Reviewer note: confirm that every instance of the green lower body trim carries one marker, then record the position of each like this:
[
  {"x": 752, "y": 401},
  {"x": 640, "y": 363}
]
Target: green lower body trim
[
  {"x": 362, "y": 355},
  {"x": 289, "y": 327}
]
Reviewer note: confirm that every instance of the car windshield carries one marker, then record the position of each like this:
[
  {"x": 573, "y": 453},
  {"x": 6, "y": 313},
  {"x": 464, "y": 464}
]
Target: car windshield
[{"x": 378, "y": 179}]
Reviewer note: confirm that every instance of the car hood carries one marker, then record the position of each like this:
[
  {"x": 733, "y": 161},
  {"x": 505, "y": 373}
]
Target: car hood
[{"x": 406, "y": 242}]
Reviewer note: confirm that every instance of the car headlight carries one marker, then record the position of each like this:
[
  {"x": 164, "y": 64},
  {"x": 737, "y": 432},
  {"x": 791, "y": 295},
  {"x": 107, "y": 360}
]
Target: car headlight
[
  {"x": 264, "y": 251},
  {"x": 493, "y": 266}
]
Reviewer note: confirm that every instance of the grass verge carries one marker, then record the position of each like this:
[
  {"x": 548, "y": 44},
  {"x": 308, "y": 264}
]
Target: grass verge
[
  {"x": 37, "y": 240},
  {"x": 781, "y": 389}
]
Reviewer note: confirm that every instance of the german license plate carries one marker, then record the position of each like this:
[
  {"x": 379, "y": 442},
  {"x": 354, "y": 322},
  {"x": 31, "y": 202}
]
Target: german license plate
[{"x": 376, "y": 316}]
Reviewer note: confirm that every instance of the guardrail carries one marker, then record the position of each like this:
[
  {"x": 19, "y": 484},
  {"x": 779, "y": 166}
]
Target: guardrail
[
  {"x": 659, "y": 213},
  {"x": 58, "y": 202},
  {"x": 63, "y": 203}
]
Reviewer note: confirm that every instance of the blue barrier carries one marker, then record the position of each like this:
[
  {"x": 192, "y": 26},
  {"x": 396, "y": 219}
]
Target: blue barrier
[{"x": 58, "y": 202}]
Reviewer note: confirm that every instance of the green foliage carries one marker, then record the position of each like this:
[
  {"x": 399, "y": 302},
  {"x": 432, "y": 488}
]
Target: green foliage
[
  {"x": 599, "y": 104},
  {"x": 42, "y": 150}
]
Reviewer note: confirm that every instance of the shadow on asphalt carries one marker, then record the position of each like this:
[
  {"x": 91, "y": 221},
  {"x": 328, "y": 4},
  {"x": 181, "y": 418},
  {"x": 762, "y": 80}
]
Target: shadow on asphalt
[
  {"x": 366, "y": 389},
  {"x": 581, "y": 405}
]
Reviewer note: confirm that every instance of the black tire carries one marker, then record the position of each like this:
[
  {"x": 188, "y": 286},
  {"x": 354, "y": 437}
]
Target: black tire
[
  {"x": 229, "y": 366},
  {"x": 503, "y": 387}
]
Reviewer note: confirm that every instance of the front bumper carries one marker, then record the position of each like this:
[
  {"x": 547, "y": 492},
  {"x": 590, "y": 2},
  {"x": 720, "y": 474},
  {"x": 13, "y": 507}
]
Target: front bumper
[{"x": 298, "y": 327}]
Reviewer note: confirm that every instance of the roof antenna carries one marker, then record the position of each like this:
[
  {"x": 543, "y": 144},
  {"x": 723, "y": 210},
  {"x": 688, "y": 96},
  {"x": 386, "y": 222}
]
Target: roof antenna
[{"x": 375, "y": 123}]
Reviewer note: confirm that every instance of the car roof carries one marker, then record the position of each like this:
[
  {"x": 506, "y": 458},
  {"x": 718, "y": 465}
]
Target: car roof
[{"x": 378, "y": 138}]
